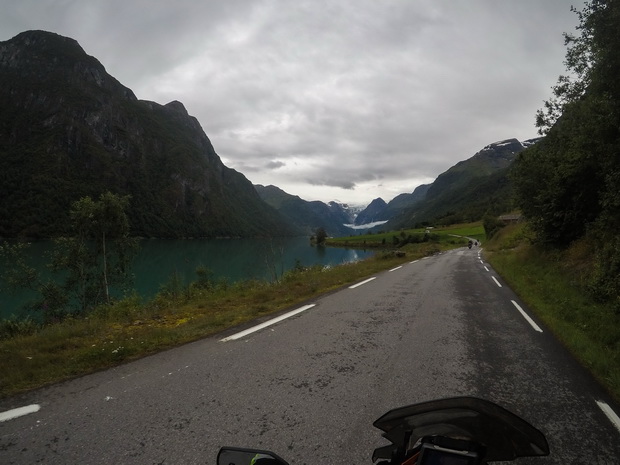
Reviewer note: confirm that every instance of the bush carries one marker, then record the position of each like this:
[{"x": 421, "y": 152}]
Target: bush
[
  {"x": 204, "y": 278},
  {"x": 492, "y": 225},
  {"x": 174, "y": 287},
  {"x": 605, "y": 280},
  {"x": 14, "y": 326}
]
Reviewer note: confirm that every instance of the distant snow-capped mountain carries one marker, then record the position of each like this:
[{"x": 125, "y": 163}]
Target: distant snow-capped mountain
[{"x": 349, "y": 211}]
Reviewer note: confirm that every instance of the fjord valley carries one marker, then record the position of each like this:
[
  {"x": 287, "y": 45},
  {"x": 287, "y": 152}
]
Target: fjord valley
[
  {"x": 70, "y": 131},
  {"x": 172, "y": 307},
  {"x": 83, "y": 161},
  {"x": 71, "y": 136}
]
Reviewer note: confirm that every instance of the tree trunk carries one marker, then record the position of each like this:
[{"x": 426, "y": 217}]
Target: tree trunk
[{"x": 105, "y": 271}]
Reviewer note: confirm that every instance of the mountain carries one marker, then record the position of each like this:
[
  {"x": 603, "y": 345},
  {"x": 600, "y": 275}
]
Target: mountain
[
  {"x": 344, "y": 212},
  {"x": 403, "y": 201},
  {"x": 469, "y": 190},
  {"x": 68, "y": 129},
  {"x": 307, "y": 216},
  {"x": 380, "y": 212},
  {"x": 374, "y": 212},
  {"x": 490, "y": 159}
]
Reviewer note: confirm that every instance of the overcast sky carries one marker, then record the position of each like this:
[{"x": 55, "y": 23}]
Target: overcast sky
[{"x": 344, "y": 100}]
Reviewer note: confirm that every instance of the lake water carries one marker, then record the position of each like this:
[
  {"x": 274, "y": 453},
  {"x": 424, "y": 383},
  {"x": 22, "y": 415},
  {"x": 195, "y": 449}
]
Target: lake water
[{"x": 229, "y": 259}]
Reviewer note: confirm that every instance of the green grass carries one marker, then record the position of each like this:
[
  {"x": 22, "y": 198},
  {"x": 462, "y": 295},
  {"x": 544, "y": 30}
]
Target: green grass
[
  {"x": 473, "y": 230},
  {"x": 449, "y": 236},
  {"x": 130, "y": 328},
  {"x": 551, "y": 282}
]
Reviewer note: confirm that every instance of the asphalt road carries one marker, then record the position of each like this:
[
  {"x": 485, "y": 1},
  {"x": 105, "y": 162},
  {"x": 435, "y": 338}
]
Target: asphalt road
[{"x": 310, "y": 386}]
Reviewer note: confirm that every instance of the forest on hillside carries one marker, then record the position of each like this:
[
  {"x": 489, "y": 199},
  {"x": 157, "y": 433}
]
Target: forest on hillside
[{"x": 568, "y": 185}]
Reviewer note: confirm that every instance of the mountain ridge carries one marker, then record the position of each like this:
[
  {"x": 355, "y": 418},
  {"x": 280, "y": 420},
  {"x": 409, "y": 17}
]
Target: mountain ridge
[
  {"x": 307, "y": 216},
  {"x": 453, "y": 191},
  {"x": 68, "y": 129},
  {"x": 468, "y": 190}
]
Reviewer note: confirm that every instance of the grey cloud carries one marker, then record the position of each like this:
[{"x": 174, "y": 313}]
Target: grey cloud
[
  {"x": 365, "y": 96},
  {"x": 274, "y": 165},
  {"x": 342, "y": 184}
]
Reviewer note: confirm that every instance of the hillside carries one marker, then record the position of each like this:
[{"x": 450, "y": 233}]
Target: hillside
[
  {"x": 468, "y": 190},
  {"x": 375, "y": 211},
  {"x": 304, "y": 215},
  {"x": 68, "y": 129},
  {"x": 402, "y": 202}
]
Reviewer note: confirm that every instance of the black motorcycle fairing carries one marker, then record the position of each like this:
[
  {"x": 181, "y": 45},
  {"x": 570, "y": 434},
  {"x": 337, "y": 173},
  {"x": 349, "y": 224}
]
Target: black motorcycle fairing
[{"x": 505, "y": 435}]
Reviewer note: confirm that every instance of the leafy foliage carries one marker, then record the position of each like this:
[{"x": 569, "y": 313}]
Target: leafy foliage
[
  {"x": 492, "y": 224},
  {"x": 87, "y": 264},
  {"x": 99, "y": 254},
  {"x": 321, "y": 235},
  {"x": 568, "y": 185},
  {"x": 587, "y": 56}
]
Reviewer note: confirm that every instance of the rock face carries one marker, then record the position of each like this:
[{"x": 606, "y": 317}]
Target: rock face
[{"x": 68, "y": 129}]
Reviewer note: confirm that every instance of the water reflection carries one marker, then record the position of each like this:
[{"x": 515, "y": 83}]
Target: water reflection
[{"x": 229, "y": 259}]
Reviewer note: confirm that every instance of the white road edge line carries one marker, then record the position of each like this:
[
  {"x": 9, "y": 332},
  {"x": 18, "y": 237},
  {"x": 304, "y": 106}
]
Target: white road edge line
[
  {"x": 363, "y": 282},
  {"x": 609, "y": 413},
  {"x": 496, "y": 281},
  {"x": 486, "y": 268},
  {"x": 394, "y": 269},
  {"x": 19, "y": 412},
  {"x": 253, "y": 329},
  {"x": 527, "y": 317},
  {"x": 415, "y": 261}
]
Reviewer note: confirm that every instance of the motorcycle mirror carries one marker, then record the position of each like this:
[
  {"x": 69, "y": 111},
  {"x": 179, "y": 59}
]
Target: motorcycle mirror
[{"x": 242, "y": 456}]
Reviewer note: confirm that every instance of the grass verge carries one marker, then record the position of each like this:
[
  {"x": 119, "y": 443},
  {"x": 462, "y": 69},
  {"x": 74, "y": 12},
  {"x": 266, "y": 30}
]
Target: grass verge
[
  {"x": 449, "y": 236},
  {"x": 552, "y": 283}
]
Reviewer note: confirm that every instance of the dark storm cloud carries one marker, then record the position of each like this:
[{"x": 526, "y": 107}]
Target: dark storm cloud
[{"x": 329, "y": 99}]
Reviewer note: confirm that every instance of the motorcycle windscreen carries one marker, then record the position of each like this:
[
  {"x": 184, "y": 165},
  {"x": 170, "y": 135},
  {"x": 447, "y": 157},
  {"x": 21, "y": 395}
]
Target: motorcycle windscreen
[{"x": 505, "y": 435}]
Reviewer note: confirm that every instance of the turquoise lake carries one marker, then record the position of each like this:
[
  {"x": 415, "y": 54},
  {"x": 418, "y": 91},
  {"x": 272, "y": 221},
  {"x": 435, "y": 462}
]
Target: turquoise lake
[{"x": 229, "y": 259}]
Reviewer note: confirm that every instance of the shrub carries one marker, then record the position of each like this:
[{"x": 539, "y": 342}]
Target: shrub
[
  {"x": 492, "y": 225},
  {"x": 14, "y": 326}
]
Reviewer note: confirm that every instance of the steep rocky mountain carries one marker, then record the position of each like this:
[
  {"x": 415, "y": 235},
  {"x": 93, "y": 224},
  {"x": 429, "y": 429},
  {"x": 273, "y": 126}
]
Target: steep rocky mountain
[
  {"x": 344, "y": 212},
  {"x": 465, "y": 192},
  {"x": 375, "y": 211},
  {"x": 490, "y": 159},
  {"x": 68, "y": 129},
  {"x": 307, "y": 216},
  {"x": 469, "y": 190},
  {"x": 379, "y": 211}
]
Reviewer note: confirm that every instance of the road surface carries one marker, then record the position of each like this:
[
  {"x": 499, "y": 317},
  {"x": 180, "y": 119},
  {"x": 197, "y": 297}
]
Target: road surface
[{"x": 309, "y": 387}]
